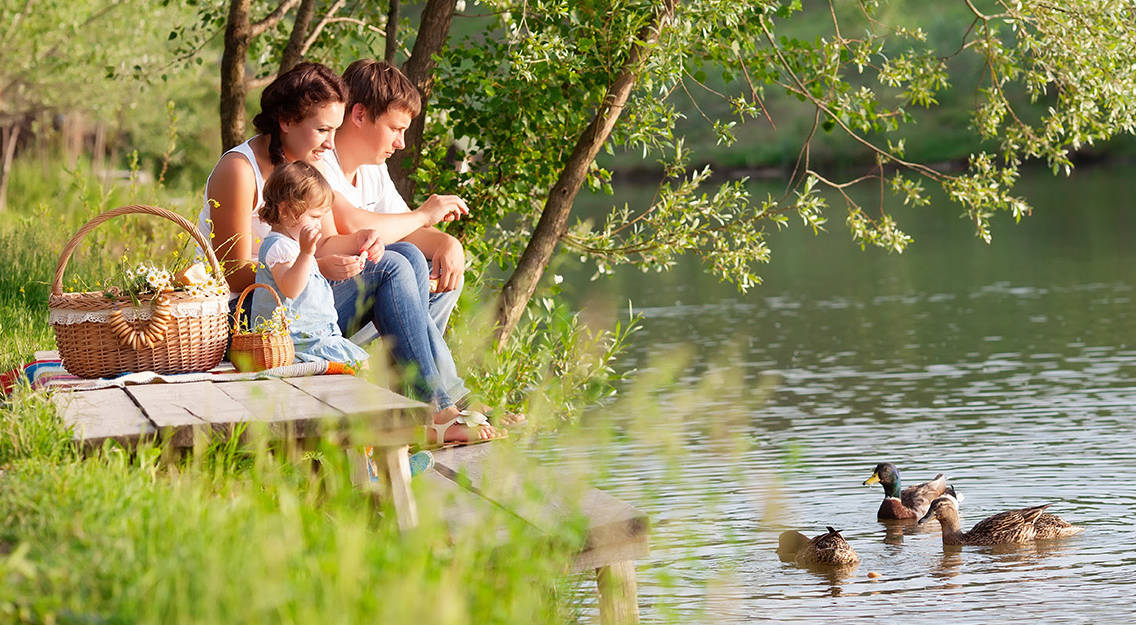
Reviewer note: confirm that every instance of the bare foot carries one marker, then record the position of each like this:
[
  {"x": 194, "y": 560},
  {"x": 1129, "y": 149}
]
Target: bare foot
[{"x": 462, "y": 428}]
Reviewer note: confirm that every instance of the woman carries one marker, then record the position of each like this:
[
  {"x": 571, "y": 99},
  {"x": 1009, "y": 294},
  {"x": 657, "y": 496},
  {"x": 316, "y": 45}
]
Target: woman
[{"x": 300, "y": 112}]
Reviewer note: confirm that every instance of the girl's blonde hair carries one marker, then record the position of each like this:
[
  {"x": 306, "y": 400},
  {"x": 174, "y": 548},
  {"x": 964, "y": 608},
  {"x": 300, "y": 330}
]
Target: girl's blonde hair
[{"x": 292, "y": 190}]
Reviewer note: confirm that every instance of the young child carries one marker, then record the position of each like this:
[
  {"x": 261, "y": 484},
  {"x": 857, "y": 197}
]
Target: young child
[{"x": 296, "y": 198}]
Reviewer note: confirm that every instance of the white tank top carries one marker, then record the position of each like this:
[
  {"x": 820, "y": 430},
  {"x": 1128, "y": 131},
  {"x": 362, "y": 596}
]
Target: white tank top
[{"x": 259, "y": 228}]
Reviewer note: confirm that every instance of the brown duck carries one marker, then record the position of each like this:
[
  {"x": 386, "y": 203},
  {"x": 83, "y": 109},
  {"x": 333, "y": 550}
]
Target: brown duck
[
  {"x": 910, "y": 502},
  {"x": 1013, "y": 526},
  {"x": 828, "y": 549}
]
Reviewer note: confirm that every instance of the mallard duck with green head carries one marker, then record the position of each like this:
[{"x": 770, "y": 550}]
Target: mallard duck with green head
[
  {"x": 828, "y": 549},
  {"x": 1013, "y": 526},
  {"x": 906, "y": 503}
]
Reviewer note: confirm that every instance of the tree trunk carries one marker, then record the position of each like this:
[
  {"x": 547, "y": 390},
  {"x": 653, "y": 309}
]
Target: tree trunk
[
  {"x": 419, "y": 68},
  {"x": 392, "y": 32},
  {"x": 233, "y": 88},
  {"x": 294, "y": 51},
  {"x": 9, "y": 135},
  {"x": 518, "y": 290}
]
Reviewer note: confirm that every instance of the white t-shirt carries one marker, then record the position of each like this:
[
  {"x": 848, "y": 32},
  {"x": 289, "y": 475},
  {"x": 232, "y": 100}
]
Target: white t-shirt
[{"x": 373, "y": 189}]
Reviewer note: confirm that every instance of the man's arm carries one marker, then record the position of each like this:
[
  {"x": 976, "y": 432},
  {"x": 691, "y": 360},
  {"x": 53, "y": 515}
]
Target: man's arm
[
  {"x": 396, "y": 227},
  {"x": 446, "y": 253}
]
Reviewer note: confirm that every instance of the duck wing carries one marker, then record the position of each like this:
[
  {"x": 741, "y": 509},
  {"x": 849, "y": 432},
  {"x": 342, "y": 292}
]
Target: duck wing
[
  {"x": 1012, "y": 526},
  {"x": 1053, "y": 526},
  {"x": 920, "y": 496},
  {"x": 829, "y": 549}
]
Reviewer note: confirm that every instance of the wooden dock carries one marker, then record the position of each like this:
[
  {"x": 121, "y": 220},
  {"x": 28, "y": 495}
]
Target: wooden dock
[{"x": 188, "y": 414}]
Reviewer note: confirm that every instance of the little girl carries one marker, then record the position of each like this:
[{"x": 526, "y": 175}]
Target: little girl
[{"x": 296, "y": 198}]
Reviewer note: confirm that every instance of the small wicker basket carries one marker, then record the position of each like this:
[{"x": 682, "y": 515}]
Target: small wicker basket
[
  {"x": 173, "y": 332},
  {"x": 257, "y": 351}
]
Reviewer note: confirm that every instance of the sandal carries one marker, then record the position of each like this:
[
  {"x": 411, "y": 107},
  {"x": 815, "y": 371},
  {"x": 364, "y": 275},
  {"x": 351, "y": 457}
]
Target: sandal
[
  {"x": 471, "y": 419},
  {"x": 510, "y": 419}
]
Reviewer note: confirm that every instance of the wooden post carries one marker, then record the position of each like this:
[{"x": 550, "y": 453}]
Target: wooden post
[
  {"x": 396, "y": 466},
  {"x": 619, "y": 602}
]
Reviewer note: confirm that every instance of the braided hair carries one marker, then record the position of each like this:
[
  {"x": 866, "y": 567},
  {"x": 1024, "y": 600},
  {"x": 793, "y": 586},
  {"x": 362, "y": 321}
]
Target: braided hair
[{"x": 292, "y": 97}]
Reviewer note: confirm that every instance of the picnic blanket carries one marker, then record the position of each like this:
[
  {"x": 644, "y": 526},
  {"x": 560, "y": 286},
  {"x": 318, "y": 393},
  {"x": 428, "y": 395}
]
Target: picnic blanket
[{"x": 47, "y": 371}]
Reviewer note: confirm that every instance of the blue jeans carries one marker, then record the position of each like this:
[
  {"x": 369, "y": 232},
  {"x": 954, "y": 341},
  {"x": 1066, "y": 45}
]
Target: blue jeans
[
  {"x": 440, "y": 305},
  {"x": 394, "y": 293}
]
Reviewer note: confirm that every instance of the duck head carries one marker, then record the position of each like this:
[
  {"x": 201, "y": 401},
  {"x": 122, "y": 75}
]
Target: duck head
[
  {"x": 944, "y": 508},
  {"x": 887, "y": 476}
]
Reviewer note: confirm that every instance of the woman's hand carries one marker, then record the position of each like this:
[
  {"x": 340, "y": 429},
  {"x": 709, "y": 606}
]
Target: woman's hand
[
  {"x": 370, "y": 245},
  {"x": 309, "y": 237},
  {"x": 439, "y": 208},
  {"x": 336, "y": 267}
]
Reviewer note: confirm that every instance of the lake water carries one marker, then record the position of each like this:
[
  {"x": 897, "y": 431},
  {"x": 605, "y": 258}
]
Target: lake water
[{"x": 1010, "y": 367}]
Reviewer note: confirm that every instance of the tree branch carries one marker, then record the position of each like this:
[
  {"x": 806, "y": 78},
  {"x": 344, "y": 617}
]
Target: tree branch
[
  {"x": 798, "y": 87},
  {"x": 257, "y": 29},
  {"x": 327, "y": 19},
  {"x": 293, "y": 52},
  {"x": 259, "y": 82}
]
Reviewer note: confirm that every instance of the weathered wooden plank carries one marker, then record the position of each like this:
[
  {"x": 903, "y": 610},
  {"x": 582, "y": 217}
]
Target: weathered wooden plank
[
  {"x": 286, "y": 410},
  {"x": 360, "y": 399},
  {"x": 636, "y": 548},
  {"x": 461, "y": 509},
  {"x": 610, "y": 521},
  {"x": 180, "y": 411},
  {"x": 103, "y": 414}
]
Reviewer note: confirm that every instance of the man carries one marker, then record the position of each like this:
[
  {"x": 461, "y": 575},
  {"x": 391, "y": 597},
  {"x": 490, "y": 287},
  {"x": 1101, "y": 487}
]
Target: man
[{"x": 381, "y": 103}]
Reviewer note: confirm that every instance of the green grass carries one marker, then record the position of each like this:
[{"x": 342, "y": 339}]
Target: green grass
[
  {"x": 260, "y": 533},
  {"x": 242, "y": 535}
]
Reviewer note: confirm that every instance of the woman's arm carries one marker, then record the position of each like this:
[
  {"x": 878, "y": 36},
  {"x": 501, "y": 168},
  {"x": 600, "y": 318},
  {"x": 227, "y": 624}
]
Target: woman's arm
[{"x": 232, "y": 193}]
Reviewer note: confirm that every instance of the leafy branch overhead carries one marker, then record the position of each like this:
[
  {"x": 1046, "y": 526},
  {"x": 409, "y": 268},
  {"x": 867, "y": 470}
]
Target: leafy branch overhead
[{"x": 1053, "y": 79}]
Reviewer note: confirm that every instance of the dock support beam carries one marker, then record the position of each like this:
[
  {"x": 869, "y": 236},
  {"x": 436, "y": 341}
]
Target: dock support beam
[{"x": 619, "y": 593}]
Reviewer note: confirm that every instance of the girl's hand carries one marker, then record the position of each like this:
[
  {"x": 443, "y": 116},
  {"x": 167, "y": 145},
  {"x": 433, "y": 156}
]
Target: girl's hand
[
  {"x": 309, "y": 237},
  {"x": 370, "y": 245}
]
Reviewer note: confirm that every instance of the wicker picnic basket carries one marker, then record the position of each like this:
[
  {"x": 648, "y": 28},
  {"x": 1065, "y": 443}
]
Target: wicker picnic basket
[
  {"x": 257, "y": 351},
  {"x": 174, "y": 332}
]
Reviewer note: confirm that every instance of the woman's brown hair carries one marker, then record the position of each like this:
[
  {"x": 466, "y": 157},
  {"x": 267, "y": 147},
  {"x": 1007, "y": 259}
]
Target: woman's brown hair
[
  {"x": 293, "y": 190},
  {"x": 292, "y": 97}
]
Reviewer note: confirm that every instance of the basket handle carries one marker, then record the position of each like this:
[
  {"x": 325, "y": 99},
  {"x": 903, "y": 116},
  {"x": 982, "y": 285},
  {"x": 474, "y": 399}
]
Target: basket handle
[
  {"x": 57, "y": 283},
  {"x": 241, "y": 301}
]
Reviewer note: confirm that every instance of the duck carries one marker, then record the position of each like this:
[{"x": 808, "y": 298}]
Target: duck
[
  {"x": 828, "y": 549},
  {"x": 1010, "y": 527},
  {"x": 909, "y": 503}
]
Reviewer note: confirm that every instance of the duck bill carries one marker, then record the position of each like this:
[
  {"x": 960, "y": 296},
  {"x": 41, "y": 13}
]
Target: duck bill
[
  {"x": 875, "y": 479},
  {"x": 926, "y": 516}
]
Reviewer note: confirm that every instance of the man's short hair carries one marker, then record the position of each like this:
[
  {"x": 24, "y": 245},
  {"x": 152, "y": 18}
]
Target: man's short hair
[{"x": 380, "y": 86}]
